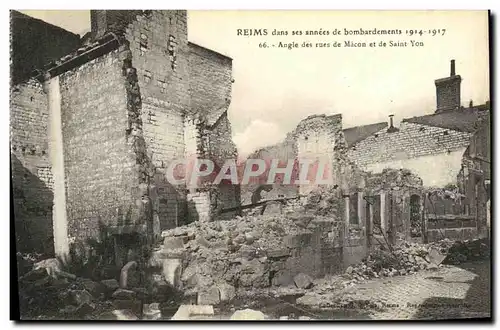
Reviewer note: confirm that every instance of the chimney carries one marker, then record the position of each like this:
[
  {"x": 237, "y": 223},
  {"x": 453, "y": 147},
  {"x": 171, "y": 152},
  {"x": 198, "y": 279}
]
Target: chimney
[
  {"x": 116, "y": 21},
  {"x": 98, "y": 23},
  {"x": 448, "y": 91},
  {"x": 391, "y": 128}
]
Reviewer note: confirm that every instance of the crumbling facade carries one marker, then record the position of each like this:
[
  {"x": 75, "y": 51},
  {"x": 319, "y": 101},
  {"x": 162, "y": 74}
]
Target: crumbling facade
[
  {"x": 435, "y": 141},
  {"x": 101, "y": 126},
  {"x": 443, "y": 142}
]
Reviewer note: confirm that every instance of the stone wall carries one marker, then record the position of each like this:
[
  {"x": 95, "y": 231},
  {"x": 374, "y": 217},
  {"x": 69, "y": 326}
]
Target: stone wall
[
  {"x": 30, "y": 167},
  {"x": 320, "y": 138},
  {"x": 453, "y": 227},
  {"x": 210, "y": 81},
  {"x": 158, "y": 43},
  {"x": 100, "y": 182},
  {"x": 395, "y": 205}
]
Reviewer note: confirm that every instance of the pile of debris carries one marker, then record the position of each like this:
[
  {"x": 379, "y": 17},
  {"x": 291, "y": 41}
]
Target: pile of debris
[
  {"x": 47, "y": 291},
  {"x": 218, "y": 258},
  {"x": 407, "y": 258},
  {"x": 458, "y": 252}
]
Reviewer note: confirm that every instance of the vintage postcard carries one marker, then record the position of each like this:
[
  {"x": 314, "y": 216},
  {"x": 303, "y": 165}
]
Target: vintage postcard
[{"x": 250, "y": 165}]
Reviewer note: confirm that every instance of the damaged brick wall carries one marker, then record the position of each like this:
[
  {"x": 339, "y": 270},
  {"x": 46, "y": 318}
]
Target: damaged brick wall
[
  {"x": 210, "y": 88},
  {"x": 283, "y": 151},
  {"x": 210, "y": 80},
  {"x": 221, "y": 148},
  {"x": 321, "y": 137},
  {"x": 30, "y": 167},
  {"x": 101, "y": 182}
]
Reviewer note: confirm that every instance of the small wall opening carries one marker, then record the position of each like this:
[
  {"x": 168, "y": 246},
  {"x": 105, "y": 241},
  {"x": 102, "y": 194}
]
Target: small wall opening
[
  {"x": 353, "y": 209},
  {"x": 415, "y": 216}
]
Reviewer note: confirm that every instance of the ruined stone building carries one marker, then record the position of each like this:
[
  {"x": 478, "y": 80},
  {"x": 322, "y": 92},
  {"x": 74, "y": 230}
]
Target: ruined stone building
[
  {"x": 435, "y": 141},
  {"x": 383, "y": 171},
  {"x": 434, "y": 148},
  {"x": 94, "y": 131}
]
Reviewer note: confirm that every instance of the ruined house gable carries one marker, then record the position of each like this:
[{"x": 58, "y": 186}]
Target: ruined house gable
[
  {"x": 411, "y": 141},
  {"x": 315, "y": 135}
]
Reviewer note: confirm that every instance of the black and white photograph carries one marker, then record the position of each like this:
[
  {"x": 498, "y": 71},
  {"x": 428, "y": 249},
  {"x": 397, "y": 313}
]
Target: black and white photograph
[{"x": 250, "y": 165}]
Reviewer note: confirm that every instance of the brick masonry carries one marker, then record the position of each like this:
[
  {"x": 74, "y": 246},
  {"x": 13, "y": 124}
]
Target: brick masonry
[
  {"x": 99, "y": 181},
  {"x": 30, "y": 167},
  {"x": 448, "y": 93},
  {"x": 414, "y": 147}
]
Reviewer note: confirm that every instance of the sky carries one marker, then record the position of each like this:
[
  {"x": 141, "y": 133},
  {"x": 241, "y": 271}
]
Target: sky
[{"x": 276, "y": 87}]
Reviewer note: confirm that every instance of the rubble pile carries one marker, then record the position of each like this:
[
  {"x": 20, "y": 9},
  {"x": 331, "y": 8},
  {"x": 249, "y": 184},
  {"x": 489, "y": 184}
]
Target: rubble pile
[
  {"x": 324, "y": 201},
  {"x": 407, "y": 258},
  {"x": 462, "y": 251},
  {"x": 49, "y": 292},
  {"x": 247, "y": 252}
]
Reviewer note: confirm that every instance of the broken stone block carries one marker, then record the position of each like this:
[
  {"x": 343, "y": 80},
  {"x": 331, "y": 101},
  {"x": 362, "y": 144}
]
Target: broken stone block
[
  {"x": 240, "y": 239},
  {"x": 129, "y": 276},
  {"x": 303, "y": 281},
  {"x": 278, "y": 253},
  {"x": 151, "y": 311},
  {"x": 79, "y": 297},
  {"x": 172, "y": 269},
  {"x": 124, "y": 294},
  {"x": 432, "y": 266},
  {"x": 129, "y": 304},
  {"x": 94, "y": 288},
  {"x": 85, "y": 309},
  {"x": 253, "y": 273},
  {"x": 209, "y": 297},
  {"x": 283, "y": 278},
  {"x": 62, "y": 283},
  {"x": 51, "y": 265},
  {"x": 227, "y": 291},
  {"x": 349, "y": 270},
  {"x": 34, "y": 275},
  {"x": 172, "y": 243},
  {"x": 185, "y": 311},
  {"x": 124, "y": 315},
  {"x": 248, "y": 314},
  {"x": 273, "y": 208},
  {"x": 200, "y": 240},
  {"x": 247, "y": 252},
  {"x": 298, "y": 240},
  {"x": 249, "y": 238},
  {"x": 42, "y": 282},
  {"x": 110, "y": 285},
  {"x": 68, "y": 310}
]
